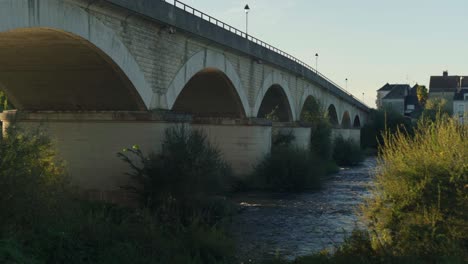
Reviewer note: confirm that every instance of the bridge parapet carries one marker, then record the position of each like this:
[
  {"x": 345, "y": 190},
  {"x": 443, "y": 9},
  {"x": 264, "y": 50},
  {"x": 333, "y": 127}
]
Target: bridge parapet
[{"x": 184, "y": 17}]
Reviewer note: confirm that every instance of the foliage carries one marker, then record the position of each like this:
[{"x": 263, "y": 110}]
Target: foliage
[
  {"x": 282, "y": 138},
  {"x": 187, "y": 169},
  {"x": 42, "y": 220},
  {"x": 30, "y": 178},
  {"x": 434, "y": 107},
  {"x": 287, "y": 168},
  {"x": 380, "y": 121},
  {"x": 422, "y": 94},
  {"x": 420, "y": 199},
  {"x": 346, "y": 152},
  {"x": 4, "y": 103},
  {"x": 273, "y": 115},
  {"x": 315, "y": 115}
]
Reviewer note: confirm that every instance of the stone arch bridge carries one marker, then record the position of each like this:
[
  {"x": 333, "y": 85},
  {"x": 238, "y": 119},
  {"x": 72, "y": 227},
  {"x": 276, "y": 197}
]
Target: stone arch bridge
[{"x": 104, "y": 74}]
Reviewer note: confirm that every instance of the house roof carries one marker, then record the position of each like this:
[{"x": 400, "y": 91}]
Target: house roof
[
  {"x": 398, "y": 91},
  {"x": 447, "y": 83},
  {"x": 386, "y": 87}
]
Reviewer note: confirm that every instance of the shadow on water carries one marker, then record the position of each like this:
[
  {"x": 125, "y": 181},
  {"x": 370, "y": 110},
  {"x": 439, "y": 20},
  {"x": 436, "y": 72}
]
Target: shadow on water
[{"x": 293, "y": 225}]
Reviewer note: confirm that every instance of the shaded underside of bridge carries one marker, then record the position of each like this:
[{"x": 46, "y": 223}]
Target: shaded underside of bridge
[{"x": 47, "y": 69}]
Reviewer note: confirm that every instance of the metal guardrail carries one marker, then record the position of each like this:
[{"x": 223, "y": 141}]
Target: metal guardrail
[{"x": 255, "y": 40}]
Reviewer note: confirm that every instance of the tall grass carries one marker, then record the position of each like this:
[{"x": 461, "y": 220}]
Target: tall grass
[{"x": 420, "y": 201}]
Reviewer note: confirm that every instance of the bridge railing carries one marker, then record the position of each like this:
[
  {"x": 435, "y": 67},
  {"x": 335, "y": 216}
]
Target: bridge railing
[{"x": 255, "y": 40}]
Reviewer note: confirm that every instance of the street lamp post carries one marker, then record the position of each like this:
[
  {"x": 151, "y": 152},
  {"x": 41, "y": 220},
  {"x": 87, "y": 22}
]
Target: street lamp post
[
  {"x": 346, "y": 86},
  {"x": 316, "y": 63},
  {"x": 246, "y": 9}
]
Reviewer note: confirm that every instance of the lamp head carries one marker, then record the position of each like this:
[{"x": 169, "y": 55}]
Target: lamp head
[{"x": 247, "y": 8}]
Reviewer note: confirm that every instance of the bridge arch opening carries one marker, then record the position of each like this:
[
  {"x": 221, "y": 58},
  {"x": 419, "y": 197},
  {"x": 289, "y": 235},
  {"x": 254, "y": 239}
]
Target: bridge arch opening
[
  {"x": 49, "y": 69},
  {"x": 332, "y": 116},
  {"x": 357, "y": 122},
  {"x": 346, "y": 120},
  {"x": 275, "y": 105},
  {"x": 311, "y": 110},
  {"x": 210, "y": 93}
]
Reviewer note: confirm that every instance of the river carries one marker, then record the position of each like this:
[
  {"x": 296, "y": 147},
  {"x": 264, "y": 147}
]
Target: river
[{"x": 292, "y": 225}]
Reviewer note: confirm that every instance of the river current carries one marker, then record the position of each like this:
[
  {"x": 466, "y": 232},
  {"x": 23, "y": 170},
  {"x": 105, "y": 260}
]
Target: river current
[{"x": 292, "y": 225}]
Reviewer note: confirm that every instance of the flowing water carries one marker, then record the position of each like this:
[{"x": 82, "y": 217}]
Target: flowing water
[{"x": 294, "y": 225}]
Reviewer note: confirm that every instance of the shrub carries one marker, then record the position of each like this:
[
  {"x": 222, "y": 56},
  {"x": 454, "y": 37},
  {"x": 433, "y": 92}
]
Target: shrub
[
  {"x": 287, "y": 169},
  {"x": 381, "y": 122},
  {"x": 346, "y": 152},
  {"x": 186, "y": 171},
  {"x": 31, "y": 179},
  {"x": 420, "y": 202}
]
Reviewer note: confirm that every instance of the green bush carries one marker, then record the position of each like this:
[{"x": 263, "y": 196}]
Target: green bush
[
  {"x": 31, "y": 178},
  {"x": 420, "y": 201},
  {"x": 346, "y": 152},
  {"x": 287, "y": 169},
  {"x": 187, "y": 168},
  {"x": 381, "y": 122}
]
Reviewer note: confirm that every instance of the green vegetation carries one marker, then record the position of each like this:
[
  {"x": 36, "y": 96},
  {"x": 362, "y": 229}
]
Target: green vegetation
[
  {"x": 422, "y": 94},
  {"x": 4, "y": 103},
  {"x": 43, "y": 220},
  {"x": 420, "y": 204},
  {"x": 380, "y": 122},
  {"x": 286, "y": 169},
  {"x": 187, "y": 169},
  {"x": 417, "y": 212},
  {"x": 435, "y": 107},
  {"x": 346, "y": 152}
]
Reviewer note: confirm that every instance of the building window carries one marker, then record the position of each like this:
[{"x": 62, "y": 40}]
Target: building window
[
  {"x": 410, "y": 107},
  {"x": 466, "y": 97}
]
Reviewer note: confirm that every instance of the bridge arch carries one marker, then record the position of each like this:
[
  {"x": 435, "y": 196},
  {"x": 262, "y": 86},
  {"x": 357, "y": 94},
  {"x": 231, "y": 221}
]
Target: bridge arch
[
  {"x": 274, "y": 84},
  {"x": 87, "y": 68},
  {"x": 357, "y": 122},
  {"x": 209, "y": 93},
  {"x": 332, "y": 116},
  {"x": 199, "y": 63},
  {"x": 311, "y": 108},
  {"x": 346, "y": 120}
]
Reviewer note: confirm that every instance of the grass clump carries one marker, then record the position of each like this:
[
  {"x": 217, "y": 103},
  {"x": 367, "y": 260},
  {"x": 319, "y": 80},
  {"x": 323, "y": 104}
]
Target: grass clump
[
  {"x": 420, "y": 201},
  {"x": 346, "y": 152}
]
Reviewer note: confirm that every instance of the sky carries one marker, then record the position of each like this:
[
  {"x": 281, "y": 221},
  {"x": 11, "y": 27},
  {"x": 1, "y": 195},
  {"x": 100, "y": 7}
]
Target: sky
[{"x": 368, "y": 42}]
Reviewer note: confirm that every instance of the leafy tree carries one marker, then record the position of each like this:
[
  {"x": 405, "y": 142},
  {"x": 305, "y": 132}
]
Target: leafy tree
[{"x": 422, "y": 94}]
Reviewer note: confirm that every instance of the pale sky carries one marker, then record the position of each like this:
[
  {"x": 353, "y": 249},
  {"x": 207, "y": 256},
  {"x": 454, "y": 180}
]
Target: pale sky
[{"x": 370, "y": 42}]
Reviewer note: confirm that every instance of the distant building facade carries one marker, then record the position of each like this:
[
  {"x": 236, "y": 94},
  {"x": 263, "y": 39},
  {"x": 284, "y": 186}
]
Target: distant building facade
[
  {"x": 400, "y": 98},
  {"x": 460, "y": 105},
  {"x": 447, "y": 87}
]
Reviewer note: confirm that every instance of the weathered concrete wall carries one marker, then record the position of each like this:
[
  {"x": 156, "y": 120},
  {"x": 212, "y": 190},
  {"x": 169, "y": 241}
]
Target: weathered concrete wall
[
  {"x": 242, "y": 146},
  {"x": 354, "y": 134}
]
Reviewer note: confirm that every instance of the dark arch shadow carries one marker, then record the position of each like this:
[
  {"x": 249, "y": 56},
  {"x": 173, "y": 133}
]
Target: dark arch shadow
[
  {"x": 210, "y": 93},
  {"x": 333, "y": 116},
  {"x": 346, "y": 120},
  {"x": 357, "y": 122},
  {"x": 275, "y": 105},
  {"x": 48, "y": 69},
  {"x": 311, "y": 109}
]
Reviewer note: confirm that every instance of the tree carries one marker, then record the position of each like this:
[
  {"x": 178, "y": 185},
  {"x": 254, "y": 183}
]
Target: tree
[
  {"x": 4, "y": 103},
  {"x": 422, "y": 94}
]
